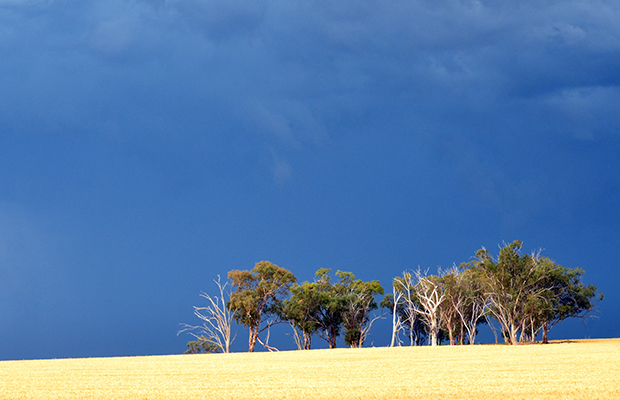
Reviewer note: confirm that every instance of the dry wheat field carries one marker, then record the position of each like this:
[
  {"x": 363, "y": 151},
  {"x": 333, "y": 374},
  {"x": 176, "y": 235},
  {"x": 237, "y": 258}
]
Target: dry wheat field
[{"x": 569, "y": 370}]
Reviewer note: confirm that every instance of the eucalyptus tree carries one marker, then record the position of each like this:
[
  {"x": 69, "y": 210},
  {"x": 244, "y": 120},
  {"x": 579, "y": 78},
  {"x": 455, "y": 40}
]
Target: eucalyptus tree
[
  {"x": 359, "y": 301},
  {"x": 302, "y": 311},
  {"x": 257, "y": 298},
  {"x": 454, "y": 304},
  {"x": 529, "y": 293},
  {"x": 474, "y": 307},
  {"x": 202, "y": 344},
  {"x": 566, "y": 297},
  {"x": 327, "y": 308},
  {"x": 331, "y": 304},
  {"x": 512, "y": 286}
]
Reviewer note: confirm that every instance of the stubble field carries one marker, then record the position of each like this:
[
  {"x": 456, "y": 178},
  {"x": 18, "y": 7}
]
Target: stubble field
[{"x": 573, "y": 370}]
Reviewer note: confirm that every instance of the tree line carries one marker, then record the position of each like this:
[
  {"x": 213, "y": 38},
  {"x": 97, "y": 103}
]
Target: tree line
[{"x": 519, "y": 296}]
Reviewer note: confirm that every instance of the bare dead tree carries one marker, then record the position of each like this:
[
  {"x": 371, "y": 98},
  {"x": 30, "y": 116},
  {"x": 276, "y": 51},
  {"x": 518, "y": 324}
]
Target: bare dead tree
[
  {"x": 217, "y": 319},
  {"x": 405, "y": 288},
  {"x": 430, "y": 294}
]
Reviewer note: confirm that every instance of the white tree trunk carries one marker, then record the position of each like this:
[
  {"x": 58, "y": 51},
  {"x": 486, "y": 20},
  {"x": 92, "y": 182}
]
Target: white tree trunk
[
  {"x": 431, "y": 296},
  {"x": 396, "y": 322}
]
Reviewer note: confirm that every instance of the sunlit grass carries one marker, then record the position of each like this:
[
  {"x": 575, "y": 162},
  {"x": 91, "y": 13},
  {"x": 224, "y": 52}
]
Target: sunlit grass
[{"x": 583, "y": 370}]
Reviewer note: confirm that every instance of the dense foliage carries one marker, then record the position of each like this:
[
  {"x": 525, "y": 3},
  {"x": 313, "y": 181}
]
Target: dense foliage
[
  {"x": 257, "y": 297},
  {"x": 325, "y": 308},
  {"x": 202, "y": 344}
]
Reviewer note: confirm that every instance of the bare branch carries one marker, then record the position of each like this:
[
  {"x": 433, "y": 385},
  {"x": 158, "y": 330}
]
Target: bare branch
[
  {"x": 266, "y": 343},
  {"x": 217, "y": 319},
  {"x": 431, "y": 296}
]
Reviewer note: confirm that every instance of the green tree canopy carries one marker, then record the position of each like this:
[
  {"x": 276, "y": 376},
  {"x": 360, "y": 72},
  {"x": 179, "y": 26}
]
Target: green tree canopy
[
  {"x": 202, "y": 344},
  {"x": 257, "y": 297},
  {"x": 566, "y": 297},
  {"x": 527, "y": 293},
  {"x": 325, "y": 308},
  {"x": 358, "y": 299},
  {"x": 302, "y": 310}
]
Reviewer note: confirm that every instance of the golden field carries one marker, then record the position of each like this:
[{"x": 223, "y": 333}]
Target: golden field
[{"x": 573, "y": 370}]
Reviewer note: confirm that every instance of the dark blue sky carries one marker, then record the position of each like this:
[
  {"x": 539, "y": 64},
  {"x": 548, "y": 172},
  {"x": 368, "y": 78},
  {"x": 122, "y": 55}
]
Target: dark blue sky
[{"x": 148, "y": 146}]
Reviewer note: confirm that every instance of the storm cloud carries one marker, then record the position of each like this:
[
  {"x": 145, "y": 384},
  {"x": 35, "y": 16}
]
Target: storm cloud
[{"x": 197, "y": 124}]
